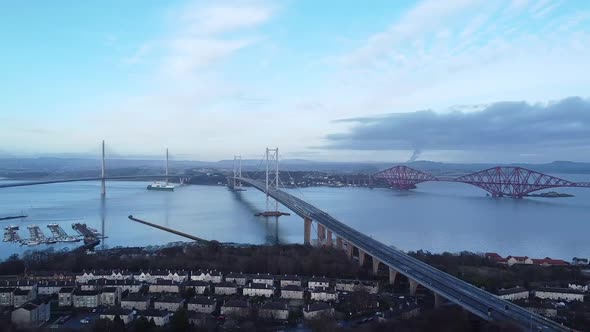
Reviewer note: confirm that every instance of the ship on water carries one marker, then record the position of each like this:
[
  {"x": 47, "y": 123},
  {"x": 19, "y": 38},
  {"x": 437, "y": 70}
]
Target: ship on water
[{"x": 162, "y": 186}]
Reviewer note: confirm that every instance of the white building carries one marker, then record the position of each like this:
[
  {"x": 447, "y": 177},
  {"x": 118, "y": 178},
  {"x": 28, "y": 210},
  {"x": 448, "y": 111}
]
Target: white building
[
  {"x": 560, "y": 294},
  {"x": 160, "y": 317},
  {"x": 263, "y": 279},
  {"x": 50, "y": 287},
  {"x": 31, "y": 314},
  {"x": 292, "y": 292},
  {"x": 169, "y": 302},
  {"x": 236, "y": 278},
  {"x": 323, "y": 294},
  {"x": 349, "y": 285},
  {"x": 253, "y": 289},
  {"x": 125, "y": 314},
  {"x": 22, "y": 296},
  {"x": 198, "y": 285},
  {"x": 288, "y": 280},
  {"x": 226, "y": 288},
  {"x": 7, "y": 296},
  {"x": 136, "y": 301},
  {"x": 512, "y": 294},
  {"x": 85, "y": 299},
  {"x": 123, "y": 284},
  {"x": 66, "y": 297},
  {"x": 316, "y": 282},
  {"x": 208, "y": 276},
  {"x": 235, "y": 308},
  {"x": 274, "y": 310},
  {"x": 317, "y": 310},
  {"x": 202, "y": 304},
  {"x": 512, "y": 260},
  {"x": 164, "y": 286},
  {"x": 110, "y": 296}
]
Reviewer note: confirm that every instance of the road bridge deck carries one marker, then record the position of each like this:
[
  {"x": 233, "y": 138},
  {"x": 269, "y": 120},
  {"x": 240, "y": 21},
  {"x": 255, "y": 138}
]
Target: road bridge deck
[{"x": 477, "y": 301}]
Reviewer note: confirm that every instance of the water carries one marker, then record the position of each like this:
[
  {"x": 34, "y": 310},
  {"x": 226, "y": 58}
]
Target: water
[{"x": 437, "y": 216}]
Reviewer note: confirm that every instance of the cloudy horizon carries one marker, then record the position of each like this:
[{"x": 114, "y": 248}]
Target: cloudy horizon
[{"x": 459, "y": 81}]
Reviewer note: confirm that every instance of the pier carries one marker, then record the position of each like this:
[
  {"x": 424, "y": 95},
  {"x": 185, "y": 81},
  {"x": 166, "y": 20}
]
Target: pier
[{"x": 169, "y": 230}]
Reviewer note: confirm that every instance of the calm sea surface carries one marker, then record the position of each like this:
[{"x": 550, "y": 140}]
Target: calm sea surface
[{"x": 436, "y": 217}]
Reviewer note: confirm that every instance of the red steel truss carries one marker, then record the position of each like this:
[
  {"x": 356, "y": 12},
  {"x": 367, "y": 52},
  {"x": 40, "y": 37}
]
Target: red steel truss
[
  {"x": 498, "y": 181},
  {"x": 404, "y": 177}
]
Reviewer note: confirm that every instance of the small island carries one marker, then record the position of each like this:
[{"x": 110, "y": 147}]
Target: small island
[{"x": 550, "y": 194}]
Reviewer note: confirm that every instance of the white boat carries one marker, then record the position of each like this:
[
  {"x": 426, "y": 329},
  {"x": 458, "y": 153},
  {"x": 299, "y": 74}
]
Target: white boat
[
  {"x": 160, "y": 186},
  {"x": 33, "y": 243}
]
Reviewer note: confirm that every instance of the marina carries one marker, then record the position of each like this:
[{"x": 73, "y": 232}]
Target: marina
[{"x": 37, "y": 237}]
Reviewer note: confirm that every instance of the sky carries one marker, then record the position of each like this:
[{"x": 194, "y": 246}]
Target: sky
[{"x": 342, "y": 80}]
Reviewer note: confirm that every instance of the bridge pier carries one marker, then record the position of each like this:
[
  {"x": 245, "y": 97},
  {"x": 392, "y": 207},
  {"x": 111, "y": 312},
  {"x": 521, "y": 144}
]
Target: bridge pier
[
  {"x": 376, "y": 265},
  {"x": 329, "y": 238},
  {"x": 392, "y": 275},
  {"x": 306, "y": 231},
  {"x": 413, "y": 286},
  {"x": 338, "y": 242},
  {"x": 349, "y": 249},
  {"x": 361, "y": 257},
  {"x": 321, "y": 234},
  {"x": 438, "y": 300}
]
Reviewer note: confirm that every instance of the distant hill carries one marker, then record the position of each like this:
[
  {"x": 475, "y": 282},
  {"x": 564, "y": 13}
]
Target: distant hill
[{"x": 90, "y": 166}]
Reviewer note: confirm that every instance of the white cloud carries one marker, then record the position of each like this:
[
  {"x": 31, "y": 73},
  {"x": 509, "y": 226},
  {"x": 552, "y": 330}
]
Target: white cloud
[{"x": 225, "y": 18}]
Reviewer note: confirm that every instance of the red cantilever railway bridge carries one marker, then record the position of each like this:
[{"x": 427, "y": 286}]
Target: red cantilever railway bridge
[{"x": 498, "y": 181}]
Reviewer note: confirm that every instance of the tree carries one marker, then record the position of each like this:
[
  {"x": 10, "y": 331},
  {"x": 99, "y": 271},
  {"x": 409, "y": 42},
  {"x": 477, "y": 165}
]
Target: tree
[
  {"x": 142, "y": 325},
  {"x": 118, "y": 324},
  {"x": 179, "y": 321}
]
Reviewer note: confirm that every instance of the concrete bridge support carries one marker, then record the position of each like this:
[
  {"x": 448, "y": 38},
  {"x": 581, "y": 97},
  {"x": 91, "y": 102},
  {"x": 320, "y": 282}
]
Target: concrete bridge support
[
  {"x": 321, "y": 234},
  {"x": 361, "y": 257},
  {"x": 307, "y": 231},
  {"x": 438, "y": 300},
  {"x": 375, "y": 265},
  {"x": 349, "y": 248},
  {"x": 329, "y": 238},
  {"x": 338, "y": 242},
  {"x": 413, "y": 286},
  {"x": 392, "y": 275}
]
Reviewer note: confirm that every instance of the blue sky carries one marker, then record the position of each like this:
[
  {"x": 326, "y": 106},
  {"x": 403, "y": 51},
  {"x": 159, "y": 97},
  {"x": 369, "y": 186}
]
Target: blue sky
[{"x": 210, "y": 79}]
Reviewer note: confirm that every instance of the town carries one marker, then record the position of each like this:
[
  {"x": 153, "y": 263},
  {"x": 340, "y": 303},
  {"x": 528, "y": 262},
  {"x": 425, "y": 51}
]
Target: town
[{"x": 343, "y": 293}]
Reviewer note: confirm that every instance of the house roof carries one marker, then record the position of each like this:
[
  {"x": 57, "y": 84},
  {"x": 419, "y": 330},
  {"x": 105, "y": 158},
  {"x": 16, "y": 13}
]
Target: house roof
[
  {"x": 492, "y": 255},
  {"x": 7, "y": 289},
  {"x": 559, "y": 290},
  {"x": 236, "y": 304},
  {"x": 79, "y": 292},
  {"x": 292, "y": 288},
  {"x": 263, "y": 276},
  {"x": 323, "y": 290},
  {"x": 290, "y": 278},
  {"x": 512, "y": 290},
  {"x": 225, "y": 284},
  {"x": 18, "y": 291},
  {"x": 235, "y": 275},
  {"x": 169, "y": 299},
  {"x": 114, "y": 311},
  {"x": 274, "y": 305},
  {"x": 203, "y": 300},
  {"x": 319, "y": 279},
  {"x": 29, "y": 306},
  {"x": 136, "y": 297},
  {"x": 67, "y": 290},
  {"x": 258, "y": 286},
  {"x": 109, "y": 290},
  {"x": 166, "y": 282},
  {"x": 153, "y": 313},
  {"x": 197, "y": 283}
]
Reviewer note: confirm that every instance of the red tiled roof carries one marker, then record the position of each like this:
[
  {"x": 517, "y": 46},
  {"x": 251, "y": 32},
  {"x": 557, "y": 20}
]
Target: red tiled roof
[{"x": 492, "y": 255}]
